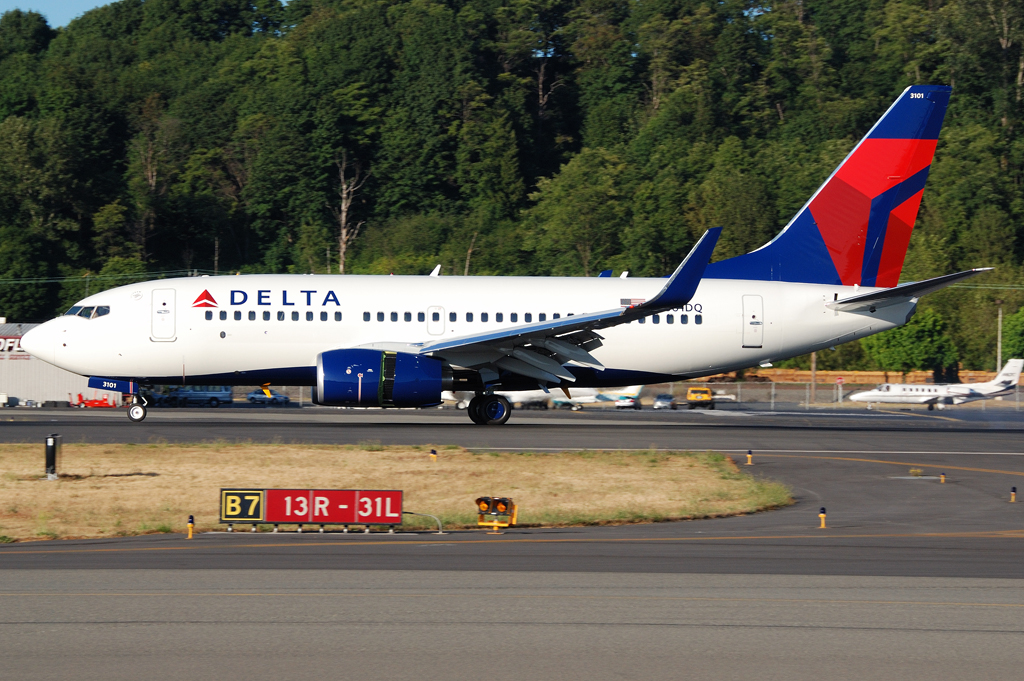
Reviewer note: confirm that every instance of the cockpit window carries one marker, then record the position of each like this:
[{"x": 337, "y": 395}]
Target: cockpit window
[
  {"x": 73, "y": 311},
  {"x": 86, "y": 312},
  {"x": 101, "y": 310}
]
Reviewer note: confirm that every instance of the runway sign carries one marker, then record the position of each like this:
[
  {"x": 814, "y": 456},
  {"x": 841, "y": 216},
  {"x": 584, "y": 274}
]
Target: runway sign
[
  {"x": 241, "y": 505},
  {"x": 319, "y": 506}
]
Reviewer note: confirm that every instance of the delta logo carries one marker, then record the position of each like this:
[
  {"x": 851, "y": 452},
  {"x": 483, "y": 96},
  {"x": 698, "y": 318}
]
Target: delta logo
[{"x": 205, "y": 300}]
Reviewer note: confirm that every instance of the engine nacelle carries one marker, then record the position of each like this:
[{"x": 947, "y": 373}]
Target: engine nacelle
[{"x": 376, "y": 378}]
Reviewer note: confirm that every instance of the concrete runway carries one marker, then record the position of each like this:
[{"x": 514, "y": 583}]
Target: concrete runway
[
  {"x": 912, "y": 579},
  {"x": 271, "y": 624}
]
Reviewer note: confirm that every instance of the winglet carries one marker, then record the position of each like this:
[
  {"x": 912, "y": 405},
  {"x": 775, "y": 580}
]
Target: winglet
[{"x": 684, "y": 281}]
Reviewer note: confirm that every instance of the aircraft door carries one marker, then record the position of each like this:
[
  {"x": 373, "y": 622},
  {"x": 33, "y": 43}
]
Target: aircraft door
[
  {"x": 435, "y": 320},
  {"x": 163, "y": 314},
  {"x": 753, "y": 322}
]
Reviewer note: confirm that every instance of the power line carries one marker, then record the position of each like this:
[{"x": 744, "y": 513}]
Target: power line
[{"x": 108, "y": 277}]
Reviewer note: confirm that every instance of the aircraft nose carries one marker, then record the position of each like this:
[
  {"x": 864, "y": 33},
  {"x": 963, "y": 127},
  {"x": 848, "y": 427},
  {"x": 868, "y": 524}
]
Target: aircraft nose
[{"x": 39, "y": 342}]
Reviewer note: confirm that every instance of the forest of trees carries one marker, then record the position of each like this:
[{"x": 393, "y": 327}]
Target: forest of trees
[{"x": 493, "y": 137}]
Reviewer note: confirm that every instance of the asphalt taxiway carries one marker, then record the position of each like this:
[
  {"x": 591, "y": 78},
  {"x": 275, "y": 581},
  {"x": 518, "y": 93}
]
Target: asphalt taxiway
[{"x": 912, "y": 578}]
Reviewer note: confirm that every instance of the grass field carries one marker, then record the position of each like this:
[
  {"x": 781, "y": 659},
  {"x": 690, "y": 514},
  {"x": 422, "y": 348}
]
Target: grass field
[{"x": 120, "y": 490}]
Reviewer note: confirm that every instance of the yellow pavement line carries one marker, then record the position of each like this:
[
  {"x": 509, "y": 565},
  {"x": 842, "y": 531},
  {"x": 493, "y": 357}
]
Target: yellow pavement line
[
  {"x": 895, "y": 463},
  {"x": 981, "y": 534},
  {"x": 910, "y": 413}
]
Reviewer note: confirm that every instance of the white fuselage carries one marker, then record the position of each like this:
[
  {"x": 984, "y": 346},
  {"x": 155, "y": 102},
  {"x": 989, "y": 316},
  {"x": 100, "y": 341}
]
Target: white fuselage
[{"x": 155, "y": 330}]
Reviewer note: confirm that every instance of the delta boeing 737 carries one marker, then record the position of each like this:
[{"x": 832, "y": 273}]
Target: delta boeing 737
[{"x": 829, "y": 277}]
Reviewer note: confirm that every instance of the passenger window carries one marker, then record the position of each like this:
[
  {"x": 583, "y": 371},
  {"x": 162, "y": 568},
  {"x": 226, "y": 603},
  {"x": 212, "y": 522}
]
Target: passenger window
[
  {"x": 85, "y": 312},
  {"x": 280, "y": 316},
  {"x": 656, "y": 319},
  {"x": 451, "y": 317},
  {"x": 380, "y": 316},
  {"x": 309, "y": 316},
  {"x": 323, "y": 316},
  {"x": 223, "y": 315},
  {"x": 513, "y": 317},
  {"x": 421, "y": 317},
  {"x": 209, "y": 315},
  {"x": 642, "y": 320},
  {"x": 238, "y": 315},
  {"x": 684, "y": 319},
  {"x": 104, "y": 310},
  {"x": 366, "y": 316},
  {"x": 394, "y": 316},
  {"x": 542, "y": 317},
  {"x": 698, "y": 319},
  {"x": 483, "y": 316},
  {"x": 266, "y": 315},
  {"x": 469, "y": 316},
  {"x": 295, "y": 316},
  {"x": 73, "y": 311},
  {"x": 252, "y": 315},
  {"x": 528, "y": 317},
  {"x": 556, "y": 316},
  {"x": 407, "y": 317},
  {"x": 337, "y": 316},
  {"x": 499, "y": 317},
  {"x": 670, "y": 319}
]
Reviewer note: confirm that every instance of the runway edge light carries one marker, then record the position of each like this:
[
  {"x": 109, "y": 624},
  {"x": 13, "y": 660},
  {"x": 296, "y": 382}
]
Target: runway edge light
[{"x": 821, "y": 514}]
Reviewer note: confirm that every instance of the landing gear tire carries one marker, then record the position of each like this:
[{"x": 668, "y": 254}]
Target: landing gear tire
[
  {"x": 473, "y": 409},
  {"x": 136, "y": 413},
  {"x": 931, "y": 407},
  {"x": 489, "y": 410}
]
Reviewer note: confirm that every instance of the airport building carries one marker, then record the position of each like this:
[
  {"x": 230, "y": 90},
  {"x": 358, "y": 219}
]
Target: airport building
[{"x": 27, "y": 381}]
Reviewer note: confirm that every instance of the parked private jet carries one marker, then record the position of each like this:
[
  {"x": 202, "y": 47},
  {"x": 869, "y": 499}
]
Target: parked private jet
[
  {"x": 829, "y": 277},
  {"x": 945, "y": 393}
]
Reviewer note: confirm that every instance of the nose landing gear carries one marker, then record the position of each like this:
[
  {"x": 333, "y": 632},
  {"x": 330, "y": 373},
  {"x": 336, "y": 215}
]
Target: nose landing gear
[
  {"x": 137, "y": 412},
  {"x": 489, "y": 410}
]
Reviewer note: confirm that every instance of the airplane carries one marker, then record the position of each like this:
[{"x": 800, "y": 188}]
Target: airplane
[
  {"x": 575, "y": 399},
  {"x": 830, "y": 276},
  {"x": 944, "y": 393}
]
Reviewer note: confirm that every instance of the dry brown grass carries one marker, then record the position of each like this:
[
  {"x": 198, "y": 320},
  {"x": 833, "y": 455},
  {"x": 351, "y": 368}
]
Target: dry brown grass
[{"x": 112, "y": 490}]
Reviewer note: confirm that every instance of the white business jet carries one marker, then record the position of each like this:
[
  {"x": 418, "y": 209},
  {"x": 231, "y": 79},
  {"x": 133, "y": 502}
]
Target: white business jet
[
  {"x": 944, "y": 393},
  {"x": 400, "y": 341}
]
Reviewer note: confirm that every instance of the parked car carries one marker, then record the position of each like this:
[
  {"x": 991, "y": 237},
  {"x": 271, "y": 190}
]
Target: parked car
[
  {"x": 199, "y": 396},
  {"x": 628, "y": 403},
  {"x": 276, "y": 399},
  {"x": 700, "y": 397},
  {"x": 665, "y": 402}
]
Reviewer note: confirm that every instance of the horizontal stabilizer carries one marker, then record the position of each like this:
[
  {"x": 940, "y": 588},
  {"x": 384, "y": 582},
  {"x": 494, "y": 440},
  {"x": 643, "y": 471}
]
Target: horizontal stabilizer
[{"x": 900, "y": 294}]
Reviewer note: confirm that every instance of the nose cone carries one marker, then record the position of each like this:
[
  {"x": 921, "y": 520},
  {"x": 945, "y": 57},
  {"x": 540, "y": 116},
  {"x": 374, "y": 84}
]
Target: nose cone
[{"x": 39, "y": 342}]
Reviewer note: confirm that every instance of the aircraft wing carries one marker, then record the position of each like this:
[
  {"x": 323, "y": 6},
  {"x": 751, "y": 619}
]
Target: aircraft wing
[
  {"x": 540, "y": 350},
  {"x": 900, "y": 294}
]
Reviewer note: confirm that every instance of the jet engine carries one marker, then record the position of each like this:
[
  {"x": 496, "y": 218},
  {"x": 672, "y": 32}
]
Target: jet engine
[{"x": 375, "y": 378}]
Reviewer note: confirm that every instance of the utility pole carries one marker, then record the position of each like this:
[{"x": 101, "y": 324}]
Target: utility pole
[{"x": 999, "y": 337}]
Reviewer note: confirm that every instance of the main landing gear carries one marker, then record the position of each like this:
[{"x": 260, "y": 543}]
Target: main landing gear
[
  {"x": 137, "y": 412},
  {"x": 489, "y": 410}
]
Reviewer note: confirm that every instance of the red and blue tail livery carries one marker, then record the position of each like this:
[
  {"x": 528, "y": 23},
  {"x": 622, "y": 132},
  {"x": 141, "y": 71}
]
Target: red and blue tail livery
[{"x": 856, "y": 227}]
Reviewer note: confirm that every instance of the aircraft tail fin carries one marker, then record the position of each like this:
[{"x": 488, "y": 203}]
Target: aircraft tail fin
[
  {"x": 1010, "y": 374},
  {"x": 612, "y": 395},
  {"x": 856, "y": 227}
]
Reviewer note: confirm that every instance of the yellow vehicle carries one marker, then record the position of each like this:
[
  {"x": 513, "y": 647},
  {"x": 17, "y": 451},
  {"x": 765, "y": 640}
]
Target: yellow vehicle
[{"x": 700, "y": 397}]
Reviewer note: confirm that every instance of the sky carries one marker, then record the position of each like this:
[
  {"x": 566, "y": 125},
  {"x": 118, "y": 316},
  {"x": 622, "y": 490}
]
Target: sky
[{"x": 57, "y": 12}]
